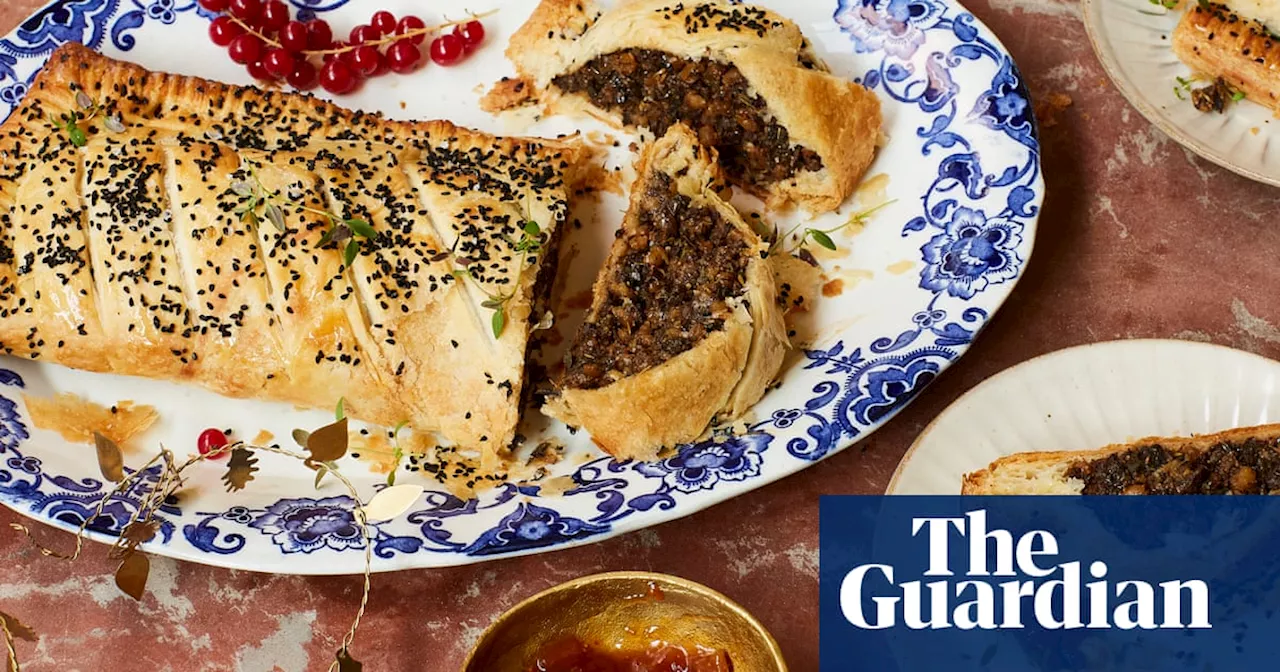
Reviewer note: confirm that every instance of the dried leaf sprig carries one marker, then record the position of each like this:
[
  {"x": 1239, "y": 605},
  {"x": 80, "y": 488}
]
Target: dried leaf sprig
[
  {"x": 531, "y": 241},
  {"x": 87, "y": 109},
  {"x": 257, "y": 202},
  {"x": 820, "y": 236},
  {"x": 324, "y": 447}
]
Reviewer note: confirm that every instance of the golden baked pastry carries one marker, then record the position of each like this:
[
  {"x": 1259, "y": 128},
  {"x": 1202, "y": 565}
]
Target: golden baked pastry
[
  {"x": 744, "y": 78},
  {"x": 125, "y": 252},
  {"x": 683, "y": 326},
  {"x": 1217, "y": 41}
]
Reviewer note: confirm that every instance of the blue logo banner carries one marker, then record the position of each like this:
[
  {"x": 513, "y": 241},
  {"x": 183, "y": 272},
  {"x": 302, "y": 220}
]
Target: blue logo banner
[{"x": 1049, "y": 583}]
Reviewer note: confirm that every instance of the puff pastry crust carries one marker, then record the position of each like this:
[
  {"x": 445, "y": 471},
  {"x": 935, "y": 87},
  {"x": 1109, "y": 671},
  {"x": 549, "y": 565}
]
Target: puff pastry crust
[
  {"x": 837, "y": 119},
  {"x": 1214, "y": 40},
  {"x": 125, "y": 255},
  {"x": 725, "y": 373}
]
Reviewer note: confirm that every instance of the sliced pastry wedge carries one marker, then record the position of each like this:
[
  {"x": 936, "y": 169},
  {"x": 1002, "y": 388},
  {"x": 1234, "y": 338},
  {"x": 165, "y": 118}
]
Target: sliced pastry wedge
[
  {"x": 743, "y": 78},
  {"x": 683, "y": 327},
  {"x": 1237, "y": 461}
]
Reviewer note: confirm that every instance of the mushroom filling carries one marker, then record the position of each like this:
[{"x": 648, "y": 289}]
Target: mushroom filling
[
  {"x": 1243, "y": 468},
  {"x": 654, "y": 89},
  {"x": 666, "y": 292}
]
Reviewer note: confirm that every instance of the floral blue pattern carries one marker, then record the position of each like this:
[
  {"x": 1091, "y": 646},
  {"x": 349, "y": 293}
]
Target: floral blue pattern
[{"x": 970, "y": 127}]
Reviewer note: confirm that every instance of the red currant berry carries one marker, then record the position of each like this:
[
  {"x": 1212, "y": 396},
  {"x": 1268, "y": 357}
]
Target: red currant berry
[
  {"x": 248, "y": 11},
  {"x": 293, "y": 36},
  {"x": 337, "y": 77},
  {"x": 245, "y": 49},
  {"x": 210, "y": 440},
  {"x": 384, "y": 21},
  {"x": 364, "y": 33},
  {"x": 304, "y": 76},
  {"x": 472, "y": 34},
  {"x": 447, "y": 49},
  {"x": 259, "y": 72},
  {"x": 411, "y": 23},
  {"x": 319, "y": 34},
  {"x": 274, "y": 15},
  {"x": 404, "y": 56},
  {"x": 279, "y": 63},
  {"x": 366, "y": 60},
  {"x": 223, "y": 30},
  {"x": 216, "y": 6}
]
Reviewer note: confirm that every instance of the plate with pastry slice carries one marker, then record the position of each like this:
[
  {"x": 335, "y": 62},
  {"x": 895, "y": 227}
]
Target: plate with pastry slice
[
  {"x": 1122, "y": 417},
  {"x": 595, "y": 267},
  {"x": 1203, "y": 72}
]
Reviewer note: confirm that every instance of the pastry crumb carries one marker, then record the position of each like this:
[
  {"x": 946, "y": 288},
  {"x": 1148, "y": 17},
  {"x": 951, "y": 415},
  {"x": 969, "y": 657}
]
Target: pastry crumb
[
  {"x": 263, "y": 438},
  {"x": 1049, "y": 106},
  {"x": 76, "y": 419},
  {"x": 506, "y": 94},
  {"x": 833, "y": 288}
]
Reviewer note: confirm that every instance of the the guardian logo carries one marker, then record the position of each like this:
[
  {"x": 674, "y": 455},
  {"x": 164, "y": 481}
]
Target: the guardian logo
[{"x": 1038, "y": 590}]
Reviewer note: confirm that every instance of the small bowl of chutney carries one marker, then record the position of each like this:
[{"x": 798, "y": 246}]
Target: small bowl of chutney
[{"x": 628, "y": 621}]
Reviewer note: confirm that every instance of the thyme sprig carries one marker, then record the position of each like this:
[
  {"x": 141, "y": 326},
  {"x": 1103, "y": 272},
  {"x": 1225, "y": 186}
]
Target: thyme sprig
[
  {"x": 531, "y": 241},
  {"x": 259, "y": 202},
  {"x": 87, "y": 110},
  {"x": 821, "y": 236}
]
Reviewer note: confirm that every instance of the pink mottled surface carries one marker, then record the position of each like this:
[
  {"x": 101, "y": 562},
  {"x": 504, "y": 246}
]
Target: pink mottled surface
[{"x": 1138, "y": 238}]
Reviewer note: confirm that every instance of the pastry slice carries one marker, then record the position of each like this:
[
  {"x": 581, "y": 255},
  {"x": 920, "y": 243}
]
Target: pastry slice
[
  {"x": 743, "y": 78},
  {"x": 1232, "y": 40},
  {"x": 683, "y": 326},
  {"x": 1237, "y": 461},
  {"x": 130, "y": 251}
]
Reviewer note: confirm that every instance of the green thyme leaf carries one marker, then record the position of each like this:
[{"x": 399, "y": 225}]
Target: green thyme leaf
[
  {"x": 326, "y": 238},
  {"x": 1237, "y": 96},
  {"x": 276, "y": 216},
  {"x": 391, "y": 477},
  {"x": 822, "y": 238},
  {"x": 76, "y": 135},
  {"x": 491, "y": 303},
  {"x": 499, "y": 321},
  {"x": 531, "y": 228},
  {"x": 341, "y": 411},
  {"x": 320, "y": 474},
  {"x": 300, "y": 437},
  {"x": 400, "y": 426},
  {"x": 350, "y": 251},
  {"x": 361, "y": 228}
]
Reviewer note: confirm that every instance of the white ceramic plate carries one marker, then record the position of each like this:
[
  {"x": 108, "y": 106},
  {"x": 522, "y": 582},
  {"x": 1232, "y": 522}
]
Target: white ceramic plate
[
  {"x": 921, "y": 280},
  {"x": 1131, "y": 38},
  {"x": 1088, "y": 397}
]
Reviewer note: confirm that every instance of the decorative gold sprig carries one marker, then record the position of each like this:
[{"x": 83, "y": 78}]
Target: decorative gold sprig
[
  {"x": 258, "y": 203},
  {"x": 324, "y": 447}
]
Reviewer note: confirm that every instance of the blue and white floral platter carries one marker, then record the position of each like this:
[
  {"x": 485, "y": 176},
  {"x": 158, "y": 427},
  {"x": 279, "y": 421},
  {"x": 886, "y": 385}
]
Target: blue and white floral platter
[{"x": 960, "y": 166}]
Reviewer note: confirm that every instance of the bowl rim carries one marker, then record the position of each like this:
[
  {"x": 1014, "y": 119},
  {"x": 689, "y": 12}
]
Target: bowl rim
[{"x": 692, "y": 586}]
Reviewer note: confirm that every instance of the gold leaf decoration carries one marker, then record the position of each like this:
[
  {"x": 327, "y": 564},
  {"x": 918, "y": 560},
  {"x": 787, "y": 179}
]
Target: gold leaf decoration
[
  {"x": 17, "y": 629},
  {"x": 328, "y": 443},
  {"x": 131, "y": 577},
  {"x": 240, "y": 469},
  {"x": 392, "y": 501},
  {"x": 140, "y": 532},
  {"x": 110, "y": 459},
  {"x": 346, "y": 663}
]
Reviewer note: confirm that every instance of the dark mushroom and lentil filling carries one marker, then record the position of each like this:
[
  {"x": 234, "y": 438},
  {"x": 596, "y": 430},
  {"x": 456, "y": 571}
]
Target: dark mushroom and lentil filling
[
  {"x": 667, "y": 292},
  {"x": 654, "y": 89},
  {"x": 1248, "y": 467}
]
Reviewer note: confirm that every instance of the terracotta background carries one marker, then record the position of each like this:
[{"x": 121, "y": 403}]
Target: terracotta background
[{"x": 1138, "y": 239}]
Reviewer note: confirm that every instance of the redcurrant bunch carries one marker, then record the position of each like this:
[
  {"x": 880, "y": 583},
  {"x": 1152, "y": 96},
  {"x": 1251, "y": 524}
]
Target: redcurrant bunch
[{"x": 261, "y": 35}]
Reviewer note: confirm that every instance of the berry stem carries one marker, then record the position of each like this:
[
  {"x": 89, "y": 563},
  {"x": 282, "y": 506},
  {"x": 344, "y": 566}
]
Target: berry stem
[{"x": 388, "y": 39}]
